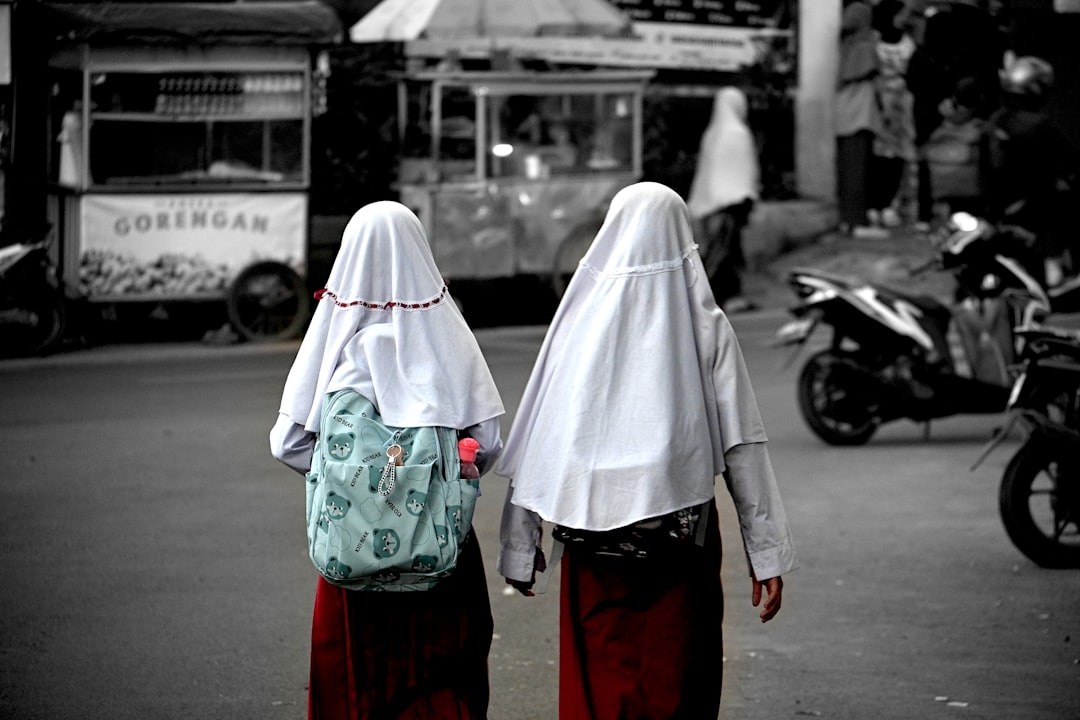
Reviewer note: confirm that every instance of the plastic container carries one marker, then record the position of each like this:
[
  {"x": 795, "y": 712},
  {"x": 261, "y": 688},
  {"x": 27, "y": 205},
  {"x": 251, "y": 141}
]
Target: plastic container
[{"x": 467, "y": 448}]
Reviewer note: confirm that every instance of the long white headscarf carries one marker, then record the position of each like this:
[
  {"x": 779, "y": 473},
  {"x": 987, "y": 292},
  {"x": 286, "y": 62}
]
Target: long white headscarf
[
  {"x": 727, "y": 165},
  {"x": 387, "y": 327},
  {"x": 639, "y": 387}
]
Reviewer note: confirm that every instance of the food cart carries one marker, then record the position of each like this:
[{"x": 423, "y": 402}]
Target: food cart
[
  {"x": 179, "y": 138},
  {"x": 512, "y": 172}
]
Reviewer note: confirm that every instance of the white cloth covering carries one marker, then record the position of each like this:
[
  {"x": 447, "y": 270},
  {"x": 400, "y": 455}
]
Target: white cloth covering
[
  {"x": 727, "y": 169},
  {"x": 639, "y": 388},
  {"x": 752, "y": 485},
  {"x": 387, "y": 327},
  {"x": 71, "y": 142}
]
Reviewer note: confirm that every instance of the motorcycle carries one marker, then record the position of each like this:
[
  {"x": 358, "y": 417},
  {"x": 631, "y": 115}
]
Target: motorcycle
[
  {"x": 1039, "y": 494},
  {"x": 1016, "y": 249},
  {"x": 32, "y": 306},
  {"x": 895, "y": 355}
]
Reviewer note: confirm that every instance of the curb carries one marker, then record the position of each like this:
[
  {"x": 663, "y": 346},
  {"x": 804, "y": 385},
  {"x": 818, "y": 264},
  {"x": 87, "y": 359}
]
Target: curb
[{"x": 133, "y": 354}]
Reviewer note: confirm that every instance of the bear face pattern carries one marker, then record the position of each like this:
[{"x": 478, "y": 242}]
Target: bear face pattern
[
  {"x": 337, "y": 569},
  {"x": 336, "y": 506},
  {"x": 386, "y": 576},
  {"x": 415, "y": 501},
  {"x": 340, "y": 446},
  {"x": 386, "y": 543}
]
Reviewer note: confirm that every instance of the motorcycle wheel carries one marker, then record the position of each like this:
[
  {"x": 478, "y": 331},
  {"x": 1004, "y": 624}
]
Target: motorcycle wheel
[
  {"x": 34, "y": 325},
  {"x": 1039, "y": 502},
  {"x": 837, "y": 399},
  {"x": 268, "y": 301}
]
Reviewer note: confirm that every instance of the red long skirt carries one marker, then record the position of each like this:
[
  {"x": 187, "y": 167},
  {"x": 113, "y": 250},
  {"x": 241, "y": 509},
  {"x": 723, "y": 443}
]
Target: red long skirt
[
  {"x": 403, "y": 655},
  {"x": 642, "y": 640}
]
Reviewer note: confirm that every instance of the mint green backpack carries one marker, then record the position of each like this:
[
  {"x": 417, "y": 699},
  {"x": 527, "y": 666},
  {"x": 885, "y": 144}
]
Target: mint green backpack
[{"x": 386, "y": 508}]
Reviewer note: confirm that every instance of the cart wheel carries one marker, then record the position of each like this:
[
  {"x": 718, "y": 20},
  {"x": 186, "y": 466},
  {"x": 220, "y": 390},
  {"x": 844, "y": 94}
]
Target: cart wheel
[
  {"x": 268, "y": 301},
  {"x": 32, "y": 324}
]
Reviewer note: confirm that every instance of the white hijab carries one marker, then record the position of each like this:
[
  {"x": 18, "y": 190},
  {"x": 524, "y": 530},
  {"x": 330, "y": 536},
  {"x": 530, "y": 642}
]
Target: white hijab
[
  {"x": 727, "y": 165},
  {"x": 387, "y": 327},
  {"x": 639, "y": 387}
]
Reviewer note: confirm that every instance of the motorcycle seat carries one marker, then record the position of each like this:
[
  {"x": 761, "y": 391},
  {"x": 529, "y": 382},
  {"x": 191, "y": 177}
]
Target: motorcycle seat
[
  {"x": 846, "y": 282},
  {"x": 1064, "y": 321}
]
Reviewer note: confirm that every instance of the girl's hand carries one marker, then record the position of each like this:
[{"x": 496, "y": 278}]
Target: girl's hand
[{"x": 774, "y": 589}]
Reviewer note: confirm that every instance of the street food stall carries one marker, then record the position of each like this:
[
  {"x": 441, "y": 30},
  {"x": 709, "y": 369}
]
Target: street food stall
[
  {"x": 512, "y": 172},
  {"x": 179, "y": 138}
]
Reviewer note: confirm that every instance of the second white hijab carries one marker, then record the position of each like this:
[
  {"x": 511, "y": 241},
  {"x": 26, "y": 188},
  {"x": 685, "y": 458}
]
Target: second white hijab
[{"x": 639, "y": 387}]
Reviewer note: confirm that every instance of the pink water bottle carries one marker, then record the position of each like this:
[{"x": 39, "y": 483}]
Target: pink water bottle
[{"x": 467, "y": 448}]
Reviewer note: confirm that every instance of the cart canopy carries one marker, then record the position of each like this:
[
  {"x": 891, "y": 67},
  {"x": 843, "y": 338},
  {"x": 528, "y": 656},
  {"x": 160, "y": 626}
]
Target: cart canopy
[{"x": 263, "y": 22}]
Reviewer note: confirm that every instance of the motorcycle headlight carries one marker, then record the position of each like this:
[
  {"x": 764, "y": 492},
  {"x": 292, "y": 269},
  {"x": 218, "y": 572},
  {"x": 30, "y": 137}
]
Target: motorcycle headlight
[{"x": 965, "y": 222}]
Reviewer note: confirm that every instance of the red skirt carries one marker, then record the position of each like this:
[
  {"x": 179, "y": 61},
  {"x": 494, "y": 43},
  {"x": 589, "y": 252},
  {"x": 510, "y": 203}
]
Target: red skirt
[
  {"x": 403, "y": 655},
  {"x": 642, "y": 640}
]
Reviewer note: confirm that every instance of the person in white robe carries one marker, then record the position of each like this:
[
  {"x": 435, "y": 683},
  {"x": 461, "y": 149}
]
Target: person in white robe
[{"x": 723, "y": 194}]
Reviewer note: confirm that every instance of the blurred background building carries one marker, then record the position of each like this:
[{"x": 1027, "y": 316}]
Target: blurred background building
[{"x": 285, "y": 107}]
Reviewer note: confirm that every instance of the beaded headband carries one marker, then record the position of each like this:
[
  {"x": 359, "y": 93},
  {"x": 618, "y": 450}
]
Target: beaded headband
[{"x": 388, "y": 305}]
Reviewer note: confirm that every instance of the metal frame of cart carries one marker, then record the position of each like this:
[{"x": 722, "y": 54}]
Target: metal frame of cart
[
  {"x": 180, "y": 156},
  {"x": 512, "y": 172}
]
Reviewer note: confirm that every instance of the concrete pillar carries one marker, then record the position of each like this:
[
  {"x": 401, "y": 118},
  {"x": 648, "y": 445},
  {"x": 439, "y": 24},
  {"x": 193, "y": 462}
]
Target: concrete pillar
[{"x": 815, "y": 145}]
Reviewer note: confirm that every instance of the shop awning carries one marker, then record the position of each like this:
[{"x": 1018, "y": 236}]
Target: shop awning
[
  {"x": 405, "y": 20},
  {"x": 273, "y": 22}
]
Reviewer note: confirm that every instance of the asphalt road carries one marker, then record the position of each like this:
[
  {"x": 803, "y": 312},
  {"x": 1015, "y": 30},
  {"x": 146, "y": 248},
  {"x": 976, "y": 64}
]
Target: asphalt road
[{"x": 153, "y": 565}]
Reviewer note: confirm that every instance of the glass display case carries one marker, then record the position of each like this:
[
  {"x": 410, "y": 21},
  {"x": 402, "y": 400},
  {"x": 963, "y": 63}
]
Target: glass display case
[
  {"x": 511, "y": 172},
  {"x": 175, "y": 172},
  {"x": 186, "y": 128}
]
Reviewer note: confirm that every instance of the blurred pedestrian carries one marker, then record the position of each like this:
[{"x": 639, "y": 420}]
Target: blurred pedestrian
[
  {"x": 560, "y": 152},
  {"x": 1031, "y": 167},
  {"x": 638, "y": 399},
  {"x": 387, "y": 327},
  {"x": 894, "y": 144},
  {"x": 722, "y": 195},
  {"x": 960, "y": 39},
  {"x": 71, "y": 147},
  {"x": 858, "y": 117},
  {"x": 952, "y": 153}
]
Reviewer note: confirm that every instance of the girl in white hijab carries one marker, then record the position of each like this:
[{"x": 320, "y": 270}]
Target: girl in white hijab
[
  {"x": 387, "y": 327},
  {"x": 723, "y": 193},
  {"x": 638, "y": 399}
]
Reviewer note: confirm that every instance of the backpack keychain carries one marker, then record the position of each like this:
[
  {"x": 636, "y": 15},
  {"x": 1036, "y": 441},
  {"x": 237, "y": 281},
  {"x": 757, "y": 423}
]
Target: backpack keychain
[{"x": 389, "y": 473}]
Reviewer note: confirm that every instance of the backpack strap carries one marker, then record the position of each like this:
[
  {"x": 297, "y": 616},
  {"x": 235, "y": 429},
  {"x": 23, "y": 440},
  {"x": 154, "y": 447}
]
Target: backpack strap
[
  {"x": 553, "y": 560},
  {"x": 703, "y": 523}
]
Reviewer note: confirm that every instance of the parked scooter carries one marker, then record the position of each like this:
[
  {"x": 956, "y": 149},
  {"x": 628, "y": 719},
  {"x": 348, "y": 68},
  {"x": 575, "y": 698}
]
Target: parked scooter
[
  {"x": 1017, "y": 249},
  {"x": 1039, "y": 495},
  {"x": 32, "y": 307},
  {"x": 897, "y": 356}
]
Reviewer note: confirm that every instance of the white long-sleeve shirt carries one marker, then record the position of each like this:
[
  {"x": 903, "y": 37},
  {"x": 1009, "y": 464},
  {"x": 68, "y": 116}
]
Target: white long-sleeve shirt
[
  {"x": 753, "y": 488},
  {"x": 293, "y": 445}
]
